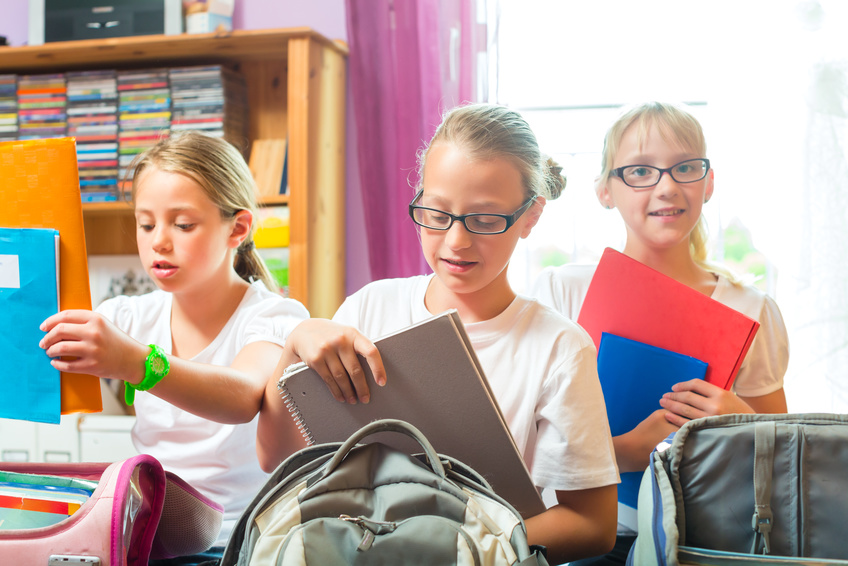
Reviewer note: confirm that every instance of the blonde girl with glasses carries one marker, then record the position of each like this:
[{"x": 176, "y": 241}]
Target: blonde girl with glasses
[
  {"x": 656, "y": 174},
  {"x": 483, "y": 185},
  {"x": 195, "y": 354}
]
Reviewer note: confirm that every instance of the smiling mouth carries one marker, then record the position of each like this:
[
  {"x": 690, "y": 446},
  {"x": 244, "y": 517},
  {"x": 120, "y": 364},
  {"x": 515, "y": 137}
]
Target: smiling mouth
[
  {"x": 457, "y": 262},
  {"x": 670, "y": 212}
]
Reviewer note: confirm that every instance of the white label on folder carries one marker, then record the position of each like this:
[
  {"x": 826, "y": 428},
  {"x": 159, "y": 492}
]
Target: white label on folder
[{"x": 10, "y": 273}]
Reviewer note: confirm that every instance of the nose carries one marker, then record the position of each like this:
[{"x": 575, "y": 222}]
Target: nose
[
  {"x": 160, "y": 240},
  {"x": 666, "y": 186},
  {"x": 457, "y": 236}
]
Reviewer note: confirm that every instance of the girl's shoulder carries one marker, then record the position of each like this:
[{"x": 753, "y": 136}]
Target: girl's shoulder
[
  {"x": 747, "y": 299},
  {"x": 385, "y": 305},
  {"x": 137, "y": 313},
  {"x": 394, "y": 286},
  {"x": 531, "y": 320},
  {"x": 564, "y": 287},
  {"x": 156, "y": 300},
  {"x": 259, "y": 299}
]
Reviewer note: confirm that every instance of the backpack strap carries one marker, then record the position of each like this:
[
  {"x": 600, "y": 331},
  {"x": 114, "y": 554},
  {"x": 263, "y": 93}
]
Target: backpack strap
[{"x": 764, "y": 433}]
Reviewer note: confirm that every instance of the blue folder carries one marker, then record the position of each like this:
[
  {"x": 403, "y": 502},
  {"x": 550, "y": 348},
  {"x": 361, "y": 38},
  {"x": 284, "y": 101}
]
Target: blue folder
[
  {"x": 634, "y": 376},
  {"x": 29, "y": 385}
]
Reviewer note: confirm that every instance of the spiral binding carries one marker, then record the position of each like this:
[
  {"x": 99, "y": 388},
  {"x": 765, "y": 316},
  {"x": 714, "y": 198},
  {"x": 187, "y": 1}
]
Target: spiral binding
[{"x": 288, "y": 401}]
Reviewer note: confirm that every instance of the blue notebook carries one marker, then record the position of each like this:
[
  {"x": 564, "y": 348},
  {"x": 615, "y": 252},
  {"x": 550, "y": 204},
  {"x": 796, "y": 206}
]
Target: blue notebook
[
  {"x": 29, "y": 385},
  {"x": 634, "y": 376}
]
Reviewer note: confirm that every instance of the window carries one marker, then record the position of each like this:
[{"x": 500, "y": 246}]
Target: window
[
  {"x": 768, "y": 82},
  {"x": 568, "y": 68}
]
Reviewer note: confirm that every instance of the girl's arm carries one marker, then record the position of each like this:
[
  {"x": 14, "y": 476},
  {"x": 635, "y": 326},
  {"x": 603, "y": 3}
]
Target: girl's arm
[
  {"x": 81, "y": 341},
  {"x": 688, "y": 400},
  {"x": 333, "y": 351},
  {"x": 582, "y": 524},
  {"x": 633, "y": 449},
  {"x": 774, "y": 402},
  {"x": 277, "y": 435}
]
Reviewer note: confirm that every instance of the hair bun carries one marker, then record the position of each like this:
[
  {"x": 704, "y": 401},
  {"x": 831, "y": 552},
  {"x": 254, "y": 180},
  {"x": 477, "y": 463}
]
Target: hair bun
[{"x": 555, "y": 180}]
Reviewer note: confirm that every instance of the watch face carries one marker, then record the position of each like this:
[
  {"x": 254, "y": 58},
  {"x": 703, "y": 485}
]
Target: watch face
[{"x": 157, "y": 365}]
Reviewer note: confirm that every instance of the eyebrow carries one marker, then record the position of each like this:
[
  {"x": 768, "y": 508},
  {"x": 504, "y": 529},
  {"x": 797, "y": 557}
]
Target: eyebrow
[
  {"x": 484, "y": 206},
  {"x": 176, "y": 209},
  {"x": 677, "y": 157}
]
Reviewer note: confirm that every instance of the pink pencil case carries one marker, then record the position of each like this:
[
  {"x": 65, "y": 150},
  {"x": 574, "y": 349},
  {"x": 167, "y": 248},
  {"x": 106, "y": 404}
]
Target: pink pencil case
[{"x": 137, "y": 512}]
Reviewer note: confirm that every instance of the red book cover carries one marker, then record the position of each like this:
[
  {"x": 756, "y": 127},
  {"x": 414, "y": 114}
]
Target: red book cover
[{"x": 632, "y": 300}]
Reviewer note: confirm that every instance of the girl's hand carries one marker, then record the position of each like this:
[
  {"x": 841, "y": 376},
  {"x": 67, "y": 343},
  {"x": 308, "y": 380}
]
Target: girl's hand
[
  {"x": 332, "y": 350},
  {"x": 82, "y": 341},
  {"x": 633, "y": 449},
  {"x": 696, "y": 398}
]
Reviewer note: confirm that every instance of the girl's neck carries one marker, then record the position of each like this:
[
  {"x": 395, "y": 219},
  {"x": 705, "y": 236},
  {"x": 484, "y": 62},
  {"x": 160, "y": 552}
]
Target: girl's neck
[
  {"x": 675, "y": 262},
  {"x": 197, "y": 317},
  {"x": 477, "y": 306}
]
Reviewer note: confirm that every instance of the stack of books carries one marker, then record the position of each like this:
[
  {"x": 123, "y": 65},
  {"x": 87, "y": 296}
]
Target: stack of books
[
  {"x": 211, "y": 99},
  {"x": 8, "y": 107},
  {"x": 93, "y": 121},
  {"x": 144, "y": 116},
  {"x": 42, "y": 104}
]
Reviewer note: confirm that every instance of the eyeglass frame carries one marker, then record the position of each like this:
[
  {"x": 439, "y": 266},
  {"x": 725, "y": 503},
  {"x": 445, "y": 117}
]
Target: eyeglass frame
[
  {"x": 619, "y": 172},
  {"x": 509, "y": 218}
]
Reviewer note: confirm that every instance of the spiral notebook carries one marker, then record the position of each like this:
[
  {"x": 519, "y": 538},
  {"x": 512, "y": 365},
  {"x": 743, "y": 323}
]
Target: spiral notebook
[{"x": 435, "y": 383}]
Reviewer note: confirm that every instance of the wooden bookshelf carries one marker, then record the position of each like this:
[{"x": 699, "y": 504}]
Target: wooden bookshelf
[{"x": 296, "y": 89}]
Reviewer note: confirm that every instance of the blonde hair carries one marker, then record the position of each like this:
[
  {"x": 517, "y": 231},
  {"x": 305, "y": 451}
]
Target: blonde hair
[
  {"x": 487, "y": 132},
  {"x": 676, "y": 125},
  {"x": 219, "y": 168}
]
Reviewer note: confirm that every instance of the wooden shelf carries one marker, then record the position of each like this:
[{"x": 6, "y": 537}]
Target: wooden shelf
[
  {"x": 159, "y": 50},
  {"x": 296, "y": 82}
]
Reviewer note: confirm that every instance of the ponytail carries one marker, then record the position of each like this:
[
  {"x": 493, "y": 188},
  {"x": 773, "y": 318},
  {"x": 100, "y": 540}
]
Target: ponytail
[
  {"x": 698, "y": 239},
  {"x": 251, "y": 267}
]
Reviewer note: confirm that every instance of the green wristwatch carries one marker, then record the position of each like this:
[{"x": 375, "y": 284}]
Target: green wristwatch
[{"x": 156, "y": 367}]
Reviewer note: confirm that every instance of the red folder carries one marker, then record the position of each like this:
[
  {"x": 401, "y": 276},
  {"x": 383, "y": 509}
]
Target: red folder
[{"x": 632, "y": 300}]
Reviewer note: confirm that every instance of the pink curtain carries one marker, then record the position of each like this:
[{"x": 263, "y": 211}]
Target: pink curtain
[{"x": 409, "y": 61}]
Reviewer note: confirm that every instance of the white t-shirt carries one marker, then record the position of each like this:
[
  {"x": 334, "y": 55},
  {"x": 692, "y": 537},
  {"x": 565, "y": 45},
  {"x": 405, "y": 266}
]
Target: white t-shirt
[
  {"x": 763, "y": 368},
  {"x": 542, "y": 370},
  {"x": 219, "y": 460}
]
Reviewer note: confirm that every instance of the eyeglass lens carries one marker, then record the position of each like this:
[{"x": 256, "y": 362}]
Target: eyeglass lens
[{"x": 646, "y": 176}]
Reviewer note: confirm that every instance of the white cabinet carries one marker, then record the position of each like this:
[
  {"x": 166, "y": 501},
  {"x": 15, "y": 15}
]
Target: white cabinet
[
  {"x": 77, "y": 438},
  {"x": 106, "y": 438}
]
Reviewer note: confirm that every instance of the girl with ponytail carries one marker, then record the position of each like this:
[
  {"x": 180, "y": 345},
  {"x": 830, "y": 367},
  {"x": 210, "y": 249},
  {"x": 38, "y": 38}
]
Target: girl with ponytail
[{"x": 194, "y": 355}]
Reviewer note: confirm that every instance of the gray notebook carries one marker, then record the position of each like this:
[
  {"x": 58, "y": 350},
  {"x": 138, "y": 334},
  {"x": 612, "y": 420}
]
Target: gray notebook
[{"x": 434, "y": 382}]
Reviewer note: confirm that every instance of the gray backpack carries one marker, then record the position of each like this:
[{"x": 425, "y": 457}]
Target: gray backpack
[
  {"x": 350, "y": 503},
  {"x": 747, "y": 489}
]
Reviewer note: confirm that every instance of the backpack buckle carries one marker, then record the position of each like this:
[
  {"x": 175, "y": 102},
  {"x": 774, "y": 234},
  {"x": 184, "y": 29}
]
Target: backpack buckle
[{"x": 761, "y": 522}]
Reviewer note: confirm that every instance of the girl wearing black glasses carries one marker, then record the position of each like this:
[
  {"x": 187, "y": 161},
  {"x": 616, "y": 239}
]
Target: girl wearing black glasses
[
  {"x": 483, "y": 185},
  {"x": 656, "y": 174}
]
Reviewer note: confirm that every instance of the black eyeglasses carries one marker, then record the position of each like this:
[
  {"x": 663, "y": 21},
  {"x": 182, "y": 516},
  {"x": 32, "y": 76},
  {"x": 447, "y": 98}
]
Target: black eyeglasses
[
  {"x": 646, "y": 176},
  {"x": 475, "y": 223}
]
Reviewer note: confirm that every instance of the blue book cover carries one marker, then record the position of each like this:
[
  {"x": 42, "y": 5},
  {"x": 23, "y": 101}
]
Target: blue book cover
[
  {"x": 29, "y": 293},
  {"x": 634, "y": 376}
]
